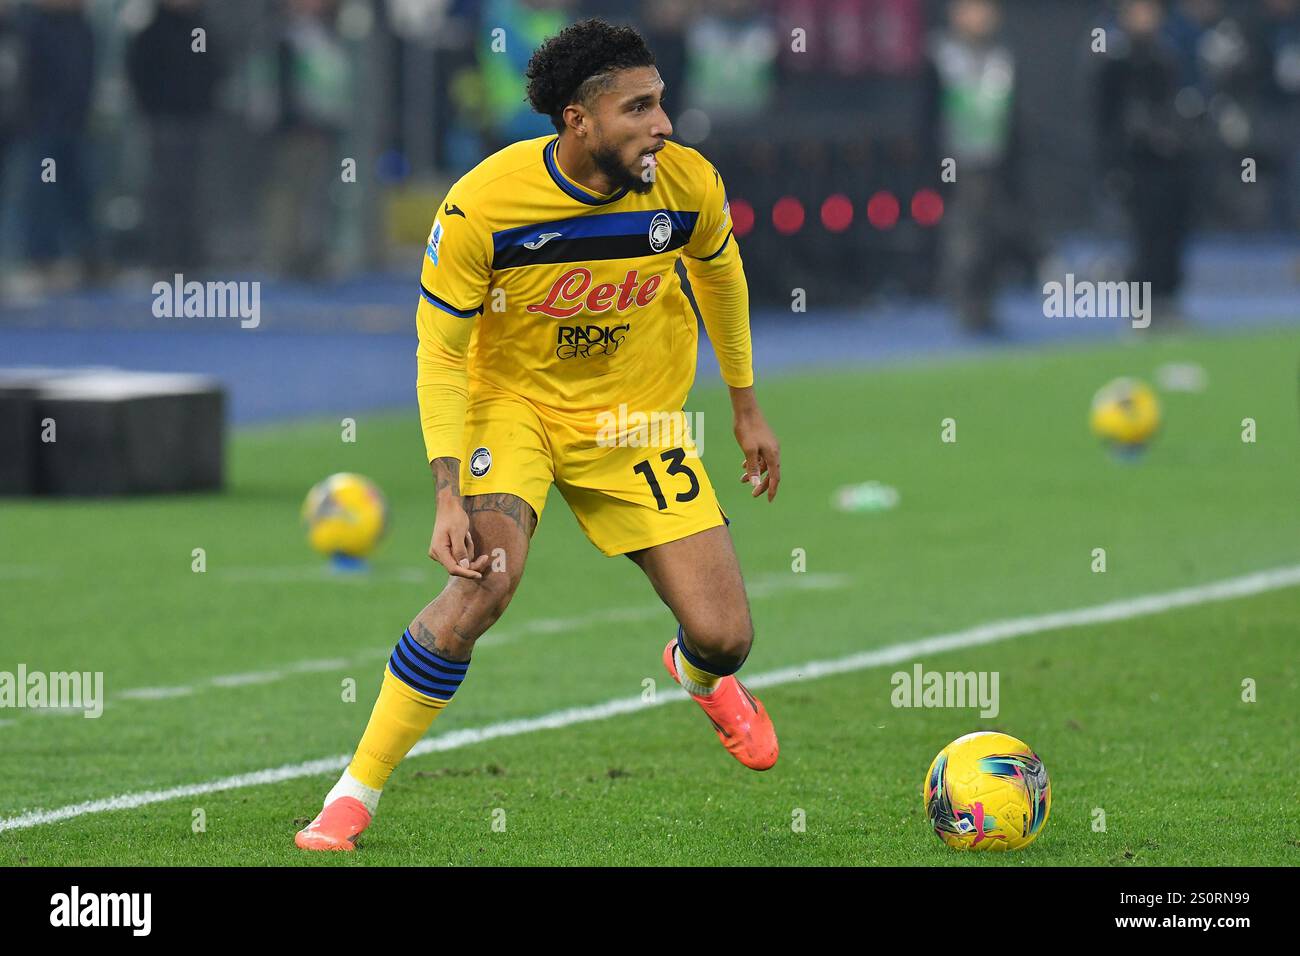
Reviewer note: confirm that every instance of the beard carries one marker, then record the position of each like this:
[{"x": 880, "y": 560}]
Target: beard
[{"x": 608, "y": 162}]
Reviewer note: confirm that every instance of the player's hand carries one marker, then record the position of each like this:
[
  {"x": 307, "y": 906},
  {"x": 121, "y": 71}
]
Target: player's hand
[
  {"x": 452, "y": 545},
  {"x": 762, "y": 453}
]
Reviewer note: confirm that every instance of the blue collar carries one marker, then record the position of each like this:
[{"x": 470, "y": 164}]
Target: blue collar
[{"x": 552, "y": 167}]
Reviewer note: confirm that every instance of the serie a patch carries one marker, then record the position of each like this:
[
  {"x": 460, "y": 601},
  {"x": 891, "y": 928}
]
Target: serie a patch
[{"x": 435, "y": 239}]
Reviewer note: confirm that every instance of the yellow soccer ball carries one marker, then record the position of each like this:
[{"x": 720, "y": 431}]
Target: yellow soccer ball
[
  {"x": 345, "y": 515},
  {"x": 987, "y": 791},
  {"x": 1125, "y": 413}
]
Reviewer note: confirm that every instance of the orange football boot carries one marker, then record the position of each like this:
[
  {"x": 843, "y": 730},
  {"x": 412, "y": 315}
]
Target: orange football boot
[
  {"x": 738, "y": 716},
  {"x": 336, "y": 827}
]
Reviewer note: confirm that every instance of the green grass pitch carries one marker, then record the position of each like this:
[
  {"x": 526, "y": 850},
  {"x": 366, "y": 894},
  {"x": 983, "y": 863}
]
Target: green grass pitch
[{"x": 1142, "y": 718}]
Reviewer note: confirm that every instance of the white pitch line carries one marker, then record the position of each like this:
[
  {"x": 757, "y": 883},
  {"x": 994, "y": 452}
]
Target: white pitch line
[
  {"x": 156, "y": 693},
  {"x": 1122, "y": 610},
  {"x": 764, "y": 586},
  {"x": 995, "y": 631},
  {"x": 323, "y": 574},
  {"x": 266, "y": 677},
  {"x": 237, "y": 680}
]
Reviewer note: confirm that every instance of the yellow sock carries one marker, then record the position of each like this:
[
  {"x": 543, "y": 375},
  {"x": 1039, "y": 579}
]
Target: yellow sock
[
  {"x": 695, "y": 679},
  {"x": 418, "y": 684}
]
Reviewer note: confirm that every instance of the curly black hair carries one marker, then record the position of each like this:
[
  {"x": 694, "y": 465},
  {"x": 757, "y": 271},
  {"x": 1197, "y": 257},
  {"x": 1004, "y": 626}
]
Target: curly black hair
[{"x": 574, "y": 65}]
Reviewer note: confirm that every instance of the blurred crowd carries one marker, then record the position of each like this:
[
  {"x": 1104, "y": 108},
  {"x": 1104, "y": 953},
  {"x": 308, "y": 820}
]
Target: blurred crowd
[
  {"x": 191, "y": 134},
  {"x": 1180, "y": 95}
]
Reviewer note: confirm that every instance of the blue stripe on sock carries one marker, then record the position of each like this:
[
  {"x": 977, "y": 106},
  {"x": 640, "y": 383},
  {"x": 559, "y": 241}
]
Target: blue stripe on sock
[
  {"x": 432, "y": 658},
  {"x": 424, "y": 671},
  {"x": 433, "y": 675},
  {"x": 415, "y": 683},
  {"x": 425, "y": 677},
  {"x": 428, "y": 673},
  {"x": 695, "y": 661}
]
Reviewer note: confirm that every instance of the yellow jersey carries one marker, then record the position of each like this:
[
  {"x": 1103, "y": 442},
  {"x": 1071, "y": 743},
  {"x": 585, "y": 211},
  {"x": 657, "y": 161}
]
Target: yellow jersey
[{"x": 533, "y": 284}]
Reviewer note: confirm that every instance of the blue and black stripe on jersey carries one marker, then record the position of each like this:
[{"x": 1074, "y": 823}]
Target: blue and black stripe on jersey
[
  {"x": 714, "y": 255},
  {"x": 612, "y": 235},
  {"x": 446, "y": 306}
]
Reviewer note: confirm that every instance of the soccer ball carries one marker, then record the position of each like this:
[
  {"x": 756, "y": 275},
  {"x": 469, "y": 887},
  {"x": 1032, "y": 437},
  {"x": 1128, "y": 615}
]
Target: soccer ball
[
  {"x": 987, "y": 791},
  {"x": 345, "y": 516},
  {"x": 1125, "y": 413}
]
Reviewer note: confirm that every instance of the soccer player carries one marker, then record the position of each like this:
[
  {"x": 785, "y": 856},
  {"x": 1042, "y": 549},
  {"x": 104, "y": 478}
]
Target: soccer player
[{"x": 552, "y": 328}]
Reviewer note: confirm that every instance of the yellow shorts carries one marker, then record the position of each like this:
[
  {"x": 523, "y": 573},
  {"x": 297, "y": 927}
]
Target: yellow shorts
[{"x": 629, "y": 489}]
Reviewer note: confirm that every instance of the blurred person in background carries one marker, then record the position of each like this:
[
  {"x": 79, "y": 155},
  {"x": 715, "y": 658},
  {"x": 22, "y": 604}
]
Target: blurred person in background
[
  {"x": 613, "y": 11},
  {"x": 970, "y": 109},
  {"x": 1147, "y": 149},
  {"x": 57, "y": 57},
  {"x": 1184, "y": 27},
  {"x": 852, "y": 37},
  {"x": 1274, "y": 37},
  {"x": 1214, "y": 87},
  {"x": 1220, "y": 50},
  {"x": 11, "y": 96},
  {"x": 506, "y": 115},
  {"x": 176, "y": 89},
  {"x": 664, "y": 27},
  {"x": 731, "y": 51},
  {"x": 316, "y": 93}
]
